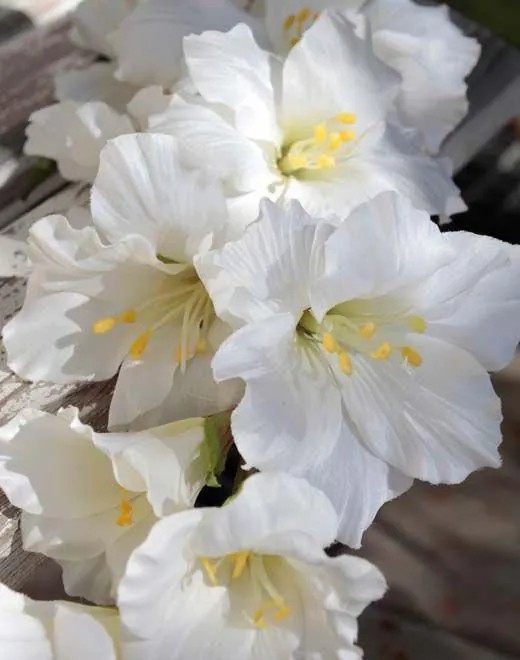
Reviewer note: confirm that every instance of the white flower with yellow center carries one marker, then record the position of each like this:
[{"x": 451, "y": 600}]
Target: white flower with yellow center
[
  {"x": 365, "y": 349},
  {"x": 421, "y": 43},
  {"x": 314, "y": 127},
  {"x": 136, "y": 306},
  {"x": 248, "y": 580},
  {"x": 88, "y": 499},
  {"x": 55, "y": 630}
]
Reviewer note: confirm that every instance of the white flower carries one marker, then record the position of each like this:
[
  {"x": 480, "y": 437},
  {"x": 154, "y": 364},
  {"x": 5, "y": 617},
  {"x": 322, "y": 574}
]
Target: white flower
[
  {"x": 73, "y": 135},
  {"x": 421, "y": 43},
  {"x": 88, "y": 499},
  {"x": 365, "y": 349},
  {"x": 135, "y": 306},
  {"x": 313, "y": 128},
  {"x": 55, "y": 630},
  {"x": 248, "y": 580},
  {"x": 148, "y": 43},
  {"x": 95, "y": 20}
]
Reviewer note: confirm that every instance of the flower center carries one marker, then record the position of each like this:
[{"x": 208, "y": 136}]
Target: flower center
[
  {"x": 183, "y": 300},
  {"x": 380, "y": 338},
  {"x": 329, "y": 142},
  {"x": 253, "y": 570},
  {"x": 126, "y": 510},
  {"x": 295, "y": 25}
]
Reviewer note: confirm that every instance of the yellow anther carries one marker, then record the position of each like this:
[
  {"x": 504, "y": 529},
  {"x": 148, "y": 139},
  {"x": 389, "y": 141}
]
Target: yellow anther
[
  {"x": 289, "y": 22},
  {"x": 201, "y": 347},
  {"x": 326, "y": 162},
  {"x": 368, "y": 330},
  {"x": 348, "y": 135},
  {"x": 139, "y": 345},
  {"x": 282, "y": 613},
  {"x": 411, "y": 356},
  {"x": 294, "y": 41},
  {"x": 335, "y": 141},
  {"x": 329, "y": 343},
  {"x": 383, "y": 352},
  {"x": 177, "y": 356},
  {"x": 128, "y": 316},
  {"x": 211, "y": 570},
  {"x": 126, "y": 516},
  {"x": 417, "y": 324},
  {"x": 303, "y": 15},
  {"x": 345, "y": 363},
  {"x": 240, "y": 559},
  {"x": 104, "y": 325},
  {"x": 298, "y": 162},
  {"x": 320, "y": 133},
  {"x": 346, "y": 118},
  {"x": 258, "y": 618}
]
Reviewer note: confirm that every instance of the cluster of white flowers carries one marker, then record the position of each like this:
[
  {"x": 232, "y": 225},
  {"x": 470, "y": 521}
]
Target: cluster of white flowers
[{"x": 258, "y": 269}]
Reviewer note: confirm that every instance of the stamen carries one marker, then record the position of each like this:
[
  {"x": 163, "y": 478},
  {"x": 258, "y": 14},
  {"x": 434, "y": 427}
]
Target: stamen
[
  {"x": 329, "y": 343},
  {"x": 346, "y": 118},
  {"x": 240, "y": 559},
  {"x": 348, "y": 135},
  {"x": 282, "y": 613},
  {"x": 417, "y": 324},
  {"x": 202, "y": 347},
  {"x": 303, "y": 15},
  {"x": 126, "y": 516},
  {"x": 412, "y": 357},
  {"x": 211, "y": 570},
  {"x": 294, "y": 41},
  {"x": 104, "y": 325},
  {"x": 289, "y": 22},
  {"x": 368, "y": 330},
  {"x": 139, "y": 346},
  {"x": 335, "y": 141},
  {"x": 345, "y": 363},
  {"x": 326, "y": 162},
  {"x": 320, "y": 133},
  {"x": 298, "y": 162},
  {"x": 383, "y": 352},
  {"x": 258, "y": 618},
  {"x": 129, "y": 316}
]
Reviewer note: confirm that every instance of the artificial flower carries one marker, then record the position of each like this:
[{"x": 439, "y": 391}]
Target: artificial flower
[
  {"x": 421, "y": 43},
  {"x": 135, "y": 306},
  {"x": 313, "y": 128},
  {"x": 248, "y": 580},
  {"x": 365, "y": 349},
  {"x": 88, "y": 499},
  {"x": 55, "y": 630},
  {"x": 73, "y": 135}
]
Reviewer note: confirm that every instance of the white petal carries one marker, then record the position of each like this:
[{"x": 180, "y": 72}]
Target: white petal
[
  {"x": 276, "y": 15},
  {"x": 433, "y": 57},
  {"x": 88, "y": 578},
  {"x": 148, "y": 44},
  {"x": 129, "y": 196},
  {"x": 331, "y": 71},
  {"x": 439, "y": 423},
  {"x": 383, "y": 245},
  {"x": 73, "y": 135},
  {"x": 38, "y": 460},
  {"x": 95, "y": 83},
  {"x": 154, "y": 574},
  {"x": 357, "y": 483},
  {"x": 290, "y": 416},
  {"x": 94, "y": 20},
  {"x": 214, "y": 59},
  {"x": 158, "y": 461},
  {"x": 291, "y": 518},
  {"x": 269, "y": 269},
  {"x": 149, "y": 101},
  {"x": 75, "y": 282},
  {"x": 78, "y": 636},
  {"x": 209, "y": 141},
  {"x": 22, "y": 636},
  {"x": 474, "y": 301}
]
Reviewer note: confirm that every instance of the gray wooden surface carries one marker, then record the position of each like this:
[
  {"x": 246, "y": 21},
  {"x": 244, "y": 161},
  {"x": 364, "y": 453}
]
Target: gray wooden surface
[{"x": 451, "y": 554}]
